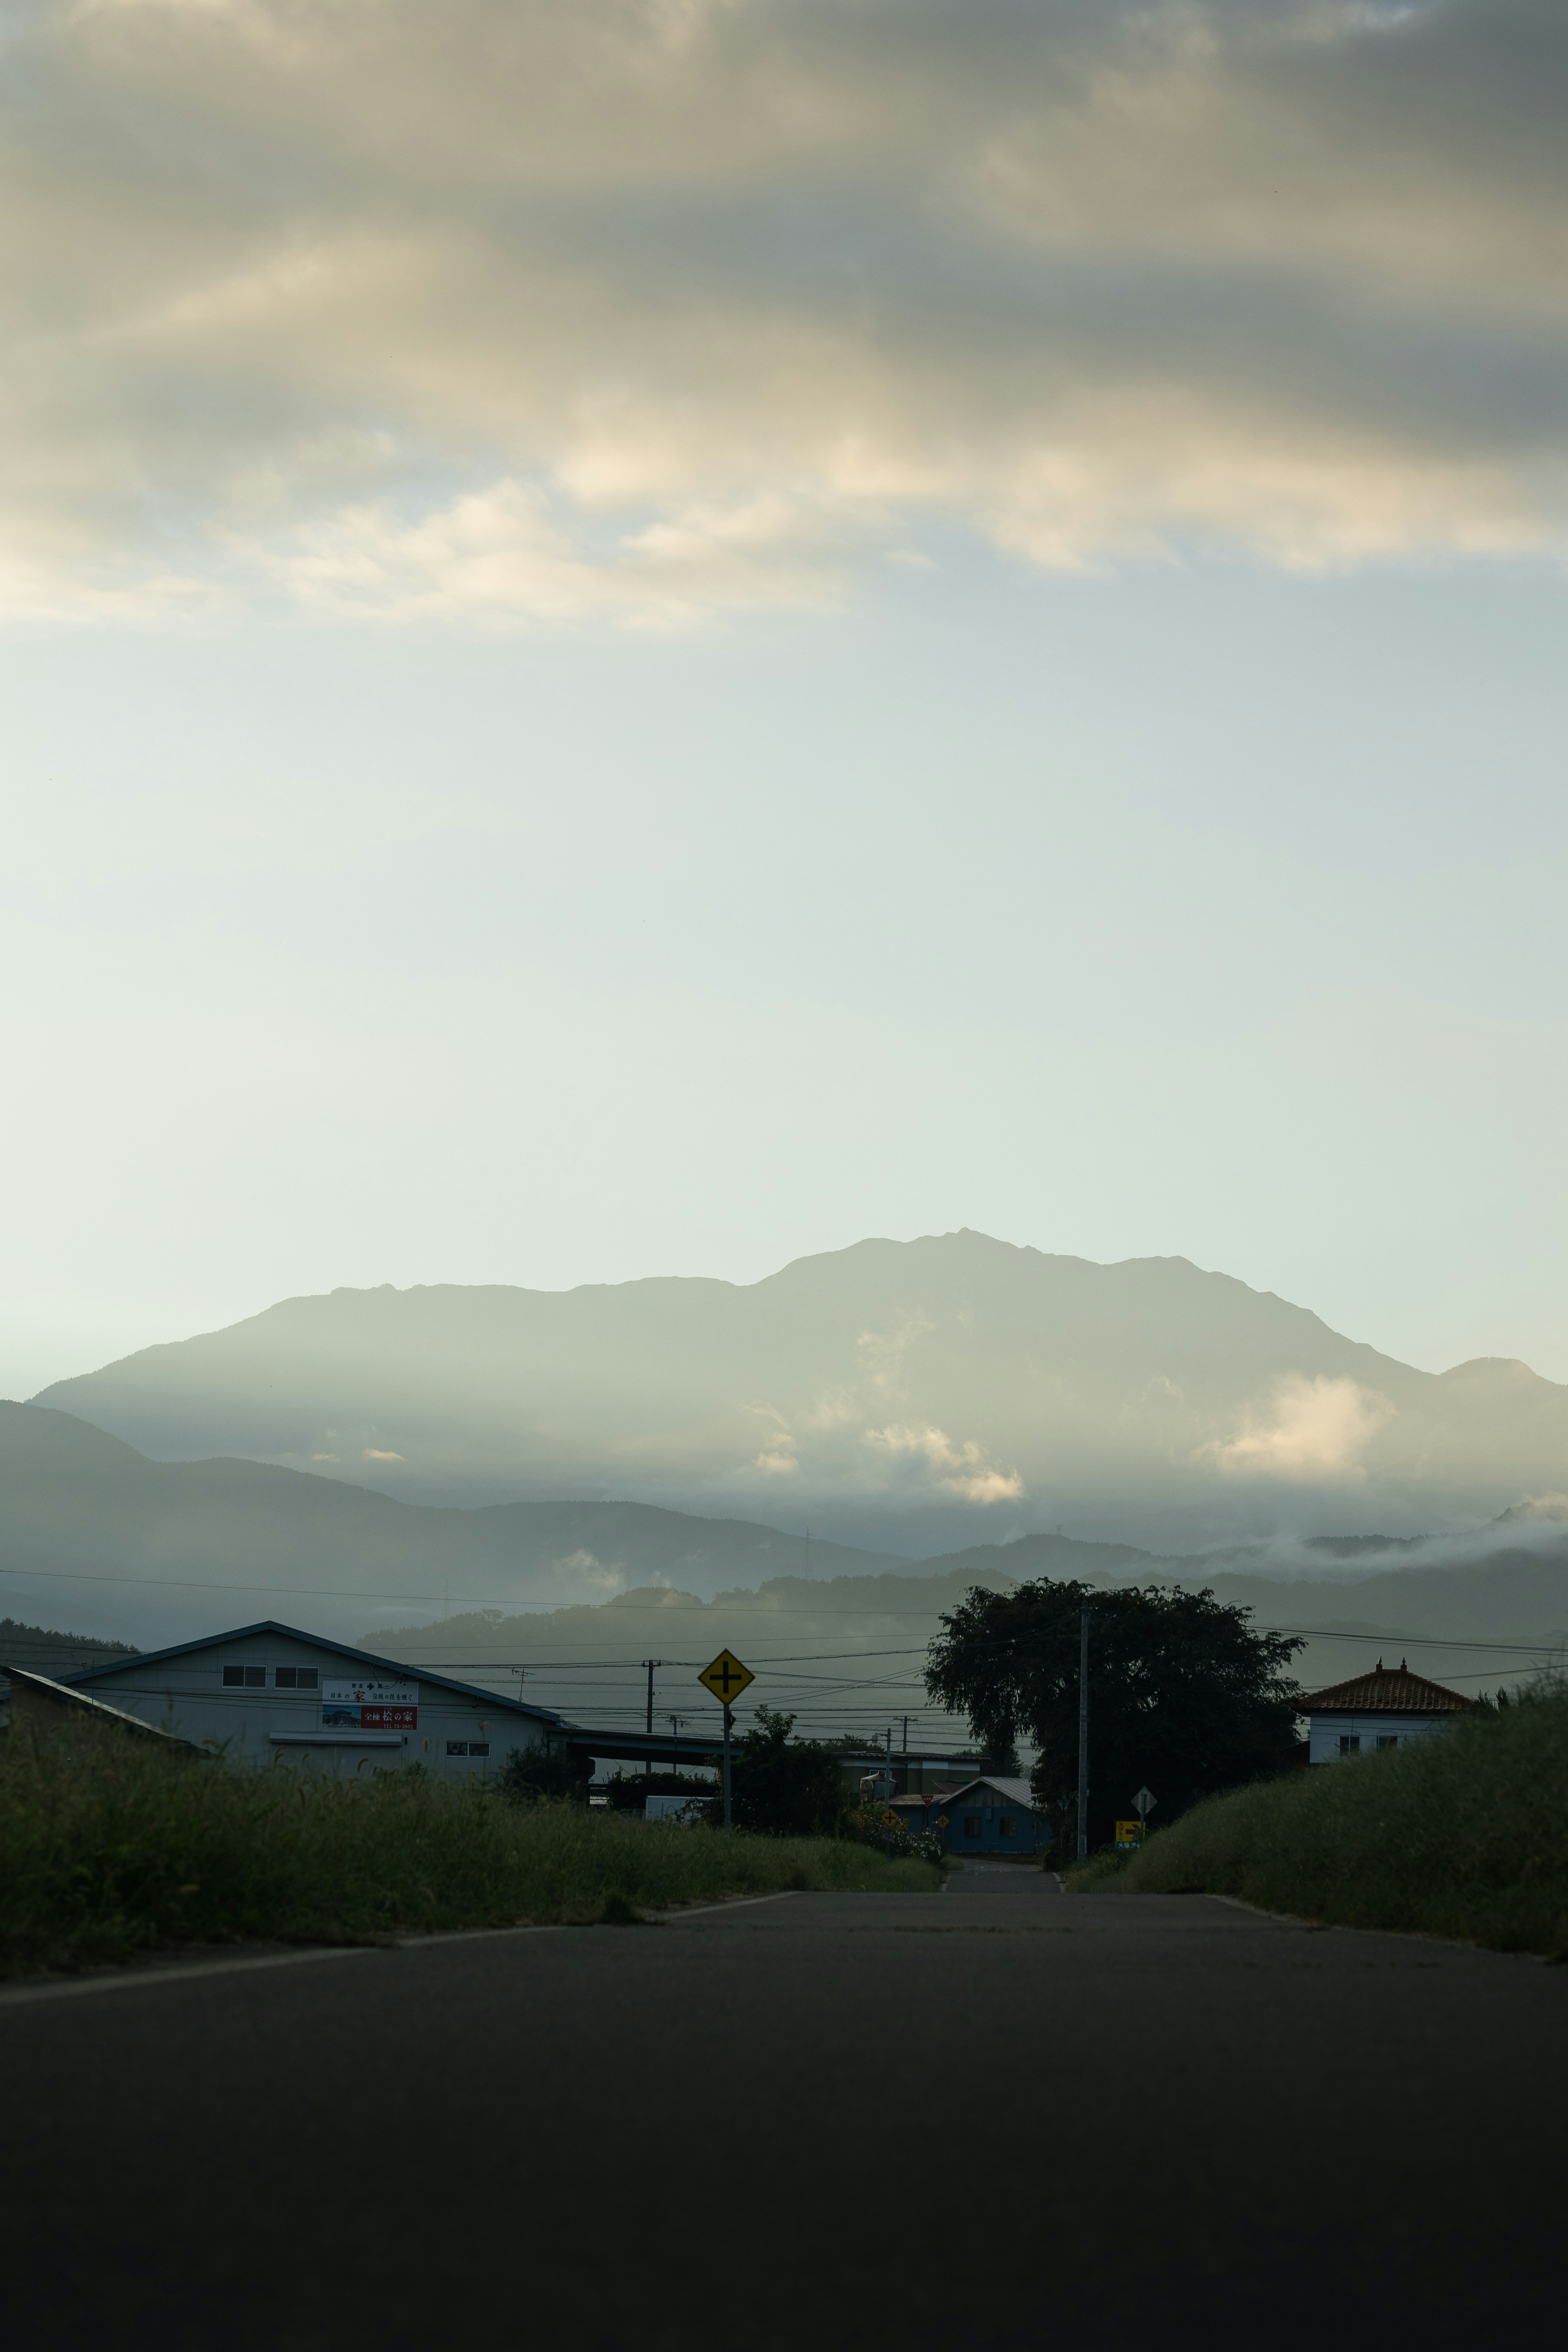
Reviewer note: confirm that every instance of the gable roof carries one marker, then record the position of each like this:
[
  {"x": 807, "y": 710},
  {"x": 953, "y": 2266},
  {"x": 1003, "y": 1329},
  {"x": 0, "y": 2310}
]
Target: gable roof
[
  {"x": 399, "y": 1666},
  {"x": 79, "y": 1703},
  {"x": 1387, "y": 1691},
  {"x": 1012, "y": 1792}
]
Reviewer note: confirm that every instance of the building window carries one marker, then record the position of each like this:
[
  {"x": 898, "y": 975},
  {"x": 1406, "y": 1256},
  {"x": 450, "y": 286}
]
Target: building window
[
  {"x": 1008, "y": 1825},
  {"x": 1388, "y": 1738},
  {"x": 294, "y": 1678},
  {"x": 972, "y": 1825},
  {"x": 456, "y": 1746},
  {"x": 1349, "y": 1744},
  {"x": 245, "y": 1678}
]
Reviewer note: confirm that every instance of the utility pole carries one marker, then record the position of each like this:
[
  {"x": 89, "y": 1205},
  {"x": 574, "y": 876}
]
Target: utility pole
[
  {"x": 727, "y": 1721},
  {"x": 1082, "y": 1733},
  {"x": 809, "y": 1553},
  {"x": 647, "y": 1767}
]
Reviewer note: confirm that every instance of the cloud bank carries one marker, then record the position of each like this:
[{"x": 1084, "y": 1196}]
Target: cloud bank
[
  {"x": 637, "y": 311},
  {"x": 1313, "y": 1430}
]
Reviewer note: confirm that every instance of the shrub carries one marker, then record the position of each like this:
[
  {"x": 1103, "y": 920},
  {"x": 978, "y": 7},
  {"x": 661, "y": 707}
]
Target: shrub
[
  {"x": 782, "y": 1787},
  {"x": 110, "y": 1846},
  {"x": 1459, "y": 1834}
]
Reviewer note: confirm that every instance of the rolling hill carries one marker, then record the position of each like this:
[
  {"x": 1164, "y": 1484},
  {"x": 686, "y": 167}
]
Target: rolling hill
[{"x": 135, "y": 1546}]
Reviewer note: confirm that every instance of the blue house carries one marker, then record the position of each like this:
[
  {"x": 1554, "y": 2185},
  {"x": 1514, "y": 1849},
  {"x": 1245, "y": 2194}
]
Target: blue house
[{"x": 991, "y": 1816}]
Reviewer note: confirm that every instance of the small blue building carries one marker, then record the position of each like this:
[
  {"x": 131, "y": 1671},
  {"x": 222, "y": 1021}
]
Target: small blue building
[{"x": 990, "y": 1816}]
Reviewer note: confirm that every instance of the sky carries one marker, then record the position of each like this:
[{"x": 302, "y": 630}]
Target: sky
[{"x": 646, "y": 638}]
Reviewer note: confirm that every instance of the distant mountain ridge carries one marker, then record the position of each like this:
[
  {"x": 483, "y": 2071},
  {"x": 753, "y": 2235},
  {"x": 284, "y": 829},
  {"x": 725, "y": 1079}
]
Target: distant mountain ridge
[
  {"x": 897, "y": 1395},
  {"x": 45, "y": 1652},
  {"x": 154, "y": 1545},
  {"x": 155, "y": 1553}
]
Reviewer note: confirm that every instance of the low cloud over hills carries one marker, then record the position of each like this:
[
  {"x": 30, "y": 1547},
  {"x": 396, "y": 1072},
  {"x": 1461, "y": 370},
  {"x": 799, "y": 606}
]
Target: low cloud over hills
[
  {"x": 152, "y": 1551},
  {"x": 908, "y": 1396},
  {"x": 94, "y": 1535}
]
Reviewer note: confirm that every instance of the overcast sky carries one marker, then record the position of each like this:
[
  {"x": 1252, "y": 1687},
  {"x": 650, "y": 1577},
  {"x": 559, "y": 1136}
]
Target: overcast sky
[{"x": 645, "y": 637}]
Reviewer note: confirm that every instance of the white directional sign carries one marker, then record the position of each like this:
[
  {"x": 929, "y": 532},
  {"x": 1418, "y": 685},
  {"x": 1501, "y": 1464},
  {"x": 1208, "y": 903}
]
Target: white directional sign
[{"x": 1144, "y": 1803}]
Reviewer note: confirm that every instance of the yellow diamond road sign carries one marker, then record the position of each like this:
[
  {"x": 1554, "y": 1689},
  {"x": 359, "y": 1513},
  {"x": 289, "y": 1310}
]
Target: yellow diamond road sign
[{"x": 726, "y": 1677}]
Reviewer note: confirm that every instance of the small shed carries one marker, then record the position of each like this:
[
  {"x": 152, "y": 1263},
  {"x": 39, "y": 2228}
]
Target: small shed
[
  {"x": 994, "y": 1815},
  {"x": 1383, "y": 1709}
]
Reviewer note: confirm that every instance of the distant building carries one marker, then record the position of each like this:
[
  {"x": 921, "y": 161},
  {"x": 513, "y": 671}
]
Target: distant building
[
  {"x": 271, "y": 1690},
  {"x": 994, "y": 1815},
  {"x": 1383, "y": 1709}
]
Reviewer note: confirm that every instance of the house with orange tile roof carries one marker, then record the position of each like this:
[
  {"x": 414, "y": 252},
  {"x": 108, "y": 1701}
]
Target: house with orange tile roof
[{"x": 1383, "y": 1709}]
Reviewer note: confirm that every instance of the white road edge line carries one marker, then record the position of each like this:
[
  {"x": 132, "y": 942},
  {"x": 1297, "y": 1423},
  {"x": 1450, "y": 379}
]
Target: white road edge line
[
  {"x": 1403, "y": 1934},
  {"x": 740, "y": 1904},
  {"x": 128, "y": 1979}
]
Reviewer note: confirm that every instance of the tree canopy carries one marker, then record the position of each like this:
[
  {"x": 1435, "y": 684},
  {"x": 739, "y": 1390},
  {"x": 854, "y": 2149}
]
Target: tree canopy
[
  {"x": 1186, "y": 1696},
  {"x": 793, "y": 1787}
]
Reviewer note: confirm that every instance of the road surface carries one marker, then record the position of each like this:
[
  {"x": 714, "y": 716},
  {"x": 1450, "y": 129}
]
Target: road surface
[{"x": 998, "y": 2117}]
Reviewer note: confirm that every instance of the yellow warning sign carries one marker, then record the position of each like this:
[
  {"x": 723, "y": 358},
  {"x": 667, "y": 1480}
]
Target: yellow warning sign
[
  {"x": 726, "y": 1677},
  {"x": 1129, "y": 1833}
]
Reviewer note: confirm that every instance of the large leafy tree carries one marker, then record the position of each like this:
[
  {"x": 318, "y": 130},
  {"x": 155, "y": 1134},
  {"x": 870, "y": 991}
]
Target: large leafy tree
[{"x": 1186, "y": 1694}]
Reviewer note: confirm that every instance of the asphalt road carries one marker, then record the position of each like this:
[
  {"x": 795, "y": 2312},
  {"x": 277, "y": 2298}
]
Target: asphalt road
[{"x": 992, "y": 2118}]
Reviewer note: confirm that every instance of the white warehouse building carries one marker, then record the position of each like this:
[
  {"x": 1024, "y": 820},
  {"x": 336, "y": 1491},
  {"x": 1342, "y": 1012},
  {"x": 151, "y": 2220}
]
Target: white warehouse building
[{"x": 271, "y": 1692}]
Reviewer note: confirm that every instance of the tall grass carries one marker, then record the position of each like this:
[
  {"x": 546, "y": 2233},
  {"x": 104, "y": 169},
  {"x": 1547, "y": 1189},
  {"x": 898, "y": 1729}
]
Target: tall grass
[
  {"x": 1463, "y": 1834},
  {"x": 110, "y": 1848}
]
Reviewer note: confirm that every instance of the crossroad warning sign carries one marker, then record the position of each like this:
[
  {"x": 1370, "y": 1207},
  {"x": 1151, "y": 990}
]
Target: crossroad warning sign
[{"x": 726, "y": 1677}]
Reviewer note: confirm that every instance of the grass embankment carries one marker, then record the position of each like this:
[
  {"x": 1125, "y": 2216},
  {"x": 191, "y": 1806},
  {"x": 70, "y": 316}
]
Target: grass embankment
[
  {"x": 108, "y": 1848},
  {"x": 1462, "y": 1835}
]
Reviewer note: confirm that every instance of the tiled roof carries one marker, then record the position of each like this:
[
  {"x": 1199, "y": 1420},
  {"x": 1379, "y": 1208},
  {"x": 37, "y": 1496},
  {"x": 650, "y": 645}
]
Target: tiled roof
[{"x": 1387, "y": 1691}]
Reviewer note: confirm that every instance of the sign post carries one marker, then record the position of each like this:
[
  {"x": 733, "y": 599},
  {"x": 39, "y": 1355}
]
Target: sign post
[
  {"x": 726, "y": 1679},
  {"x": 1143, "y": 1804},
  {"x": 1083, "y": 1732}
]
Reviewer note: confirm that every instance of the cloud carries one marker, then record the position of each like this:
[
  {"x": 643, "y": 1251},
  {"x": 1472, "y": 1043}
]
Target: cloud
[
  {"x": 371, "y": 1453},
  {"x": 1541, "y": 1510},
  {"x": 639, "y": 310},
  {"x": 585, "y": 1574},
  {"x": 1312, "y": 1430},
  {"x": 963, "y": 1469},
  {"x": 778, "y": 1457}
]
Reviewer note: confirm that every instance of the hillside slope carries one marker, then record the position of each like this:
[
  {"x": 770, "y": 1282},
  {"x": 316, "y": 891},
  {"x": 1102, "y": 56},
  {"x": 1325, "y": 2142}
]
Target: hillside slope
[
  {"x": 138, "y": 1544},
  {"x": 900, "y": 1392}
]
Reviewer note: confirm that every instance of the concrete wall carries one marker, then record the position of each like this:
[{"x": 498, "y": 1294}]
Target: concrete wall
[{"x": 187, "y": 1694}]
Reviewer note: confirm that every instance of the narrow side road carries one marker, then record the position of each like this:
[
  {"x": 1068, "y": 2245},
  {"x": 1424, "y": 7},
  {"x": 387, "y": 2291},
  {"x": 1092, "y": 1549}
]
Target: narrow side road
[{"x": 998, "y": 2117}]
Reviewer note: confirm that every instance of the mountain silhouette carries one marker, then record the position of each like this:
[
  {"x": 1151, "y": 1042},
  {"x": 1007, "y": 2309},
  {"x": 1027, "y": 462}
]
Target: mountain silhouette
[{"x": 906, "y": 1395}]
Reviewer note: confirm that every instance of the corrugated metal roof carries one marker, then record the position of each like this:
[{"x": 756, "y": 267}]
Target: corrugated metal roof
[
  {"x": 1386, "y": 1690},
  {"x": 1012, "y": 1792},
  {"x": 399, "y": 1666},
  {"x": 79, "y": 1702}
]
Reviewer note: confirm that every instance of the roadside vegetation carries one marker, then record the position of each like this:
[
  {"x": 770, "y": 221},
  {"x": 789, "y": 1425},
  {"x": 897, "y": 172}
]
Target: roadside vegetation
[
  {"x": 1461, "y": 1835},
  {"x": 111, "y": 1848}
]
